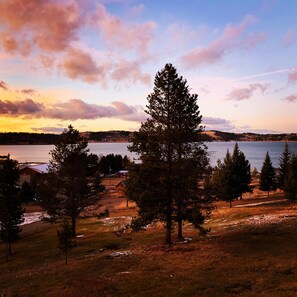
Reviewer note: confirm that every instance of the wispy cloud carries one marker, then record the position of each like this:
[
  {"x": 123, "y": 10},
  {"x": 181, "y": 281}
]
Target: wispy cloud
[
  {"x": 214, "y": 123},
  {"x": 231, "y": 39},
  {"x": 292, "y": 77},
  {"x": 246, "y": 93},
  {"x": 28, "y": 91},
  {"x": 288, "y": 38},
  {"x": 263, "y": 74},
  {"x": 120, "y": 35},
  {"x": 48, "y": 129},
  {"x": 130, "y": 71},
  {"x": 291, "y": 98}
]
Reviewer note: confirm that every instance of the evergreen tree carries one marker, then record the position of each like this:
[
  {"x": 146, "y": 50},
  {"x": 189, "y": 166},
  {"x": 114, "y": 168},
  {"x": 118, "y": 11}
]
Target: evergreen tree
[
  {"x": 173, "y": 159},
  {"x": 284, "y": 165},
  {"x": 67, "y": 190},
  {"x": 290, "y": 186},
  {"x": 223, "y": 181},
  {"x": 267, "y": 176},
  {"x": 255, "y": 173},
  {"x": 11, "y": 211},
  {"x": 241, "y": 171},
  {"x": 65, "y": 239},
  {"x": 232, "y": 178},
  {"x": 111, "y": 163},
  {"x": 27, "y": 192}
]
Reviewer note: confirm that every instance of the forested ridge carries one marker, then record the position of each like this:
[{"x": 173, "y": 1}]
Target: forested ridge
[{"x": 125, "y": 136}]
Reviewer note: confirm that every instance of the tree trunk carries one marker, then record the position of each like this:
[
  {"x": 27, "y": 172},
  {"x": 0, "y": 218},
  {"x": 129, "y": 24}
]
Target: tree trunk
[
  {"x": 168, "y": 233},
  {"x": 168, "y": 221},
  {"x": 230, "y": 203},
  {"x": 73, "y": 226},
  {"x": 9, "y": 248},
  {"x": 180, "y": 231}
]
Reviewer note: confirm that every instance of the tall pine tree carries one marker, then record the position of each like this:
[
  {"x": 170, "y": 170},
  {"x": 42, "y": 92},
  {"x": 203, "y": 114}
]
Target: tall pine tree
[
  {"x": 173, "y": 159},
  {"x": 242, "y": 171},
  {"x": 290, "y": 185},
  {"x": 267, "y": 176},
  {"x": 67, "y": 190},
  {"x": 284, "y": 165},
  {"x": 11, "y": 211}
]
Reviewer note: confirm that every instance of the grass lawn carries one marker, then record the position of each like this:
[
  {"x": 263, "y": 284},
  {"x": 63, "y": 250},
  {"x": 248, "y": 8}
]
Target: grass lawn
[{"x": 251, "y": 251}]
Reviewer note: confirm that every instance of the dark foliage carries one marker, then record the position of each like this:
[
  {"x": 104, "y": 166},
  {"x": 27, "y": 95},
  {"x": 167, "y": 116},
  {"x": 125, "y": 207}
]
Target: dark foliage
[
  {"x": 111, "y": 163},
  {"x": 290, "y": 186},
  {"x": 267, "y": 176},
  {"x": 232, "y": 178},
  {"x": 68, "y": 189},
  {"x": 173, "y": 159},
  {"x": 284, "y": 166},
  {"x": 27, "y": 192},
  {"x": 11, "y": 211},
  {"x": 65, "y": 239}
]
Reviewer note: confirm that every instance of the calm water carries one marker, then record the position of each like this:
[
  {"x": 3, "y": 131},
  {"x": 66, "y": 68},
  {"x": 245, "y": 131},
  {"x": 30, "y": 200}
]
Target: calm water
[{"x": 254, "y": 151}]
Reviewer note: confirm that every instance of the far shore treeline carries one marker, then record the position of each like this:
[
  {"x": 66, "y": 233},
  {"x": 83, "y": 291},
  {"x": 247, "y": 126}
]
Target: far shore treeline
[{"x": 13, "y": 138}]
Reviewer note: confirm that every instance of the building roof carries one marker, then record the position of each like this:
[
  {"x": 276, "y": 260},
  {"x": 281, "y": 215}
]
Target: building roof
[{"x": 40, "y": 168}]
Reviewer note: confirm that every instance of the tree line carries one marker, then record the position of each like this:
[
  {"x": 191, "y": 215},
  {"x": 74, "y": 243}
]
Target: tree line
[{"x": 50, "y": 138}]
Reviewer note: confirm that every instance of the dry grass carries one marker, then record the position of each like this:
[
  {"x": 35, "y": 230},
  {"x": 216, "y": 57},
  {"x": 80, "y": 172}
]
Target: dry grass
[{"x": 251, "y": 251}]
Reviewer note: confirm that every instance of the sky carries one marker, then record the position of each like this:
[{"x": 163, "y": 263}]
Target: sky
[{"x": 92, "y": 63}]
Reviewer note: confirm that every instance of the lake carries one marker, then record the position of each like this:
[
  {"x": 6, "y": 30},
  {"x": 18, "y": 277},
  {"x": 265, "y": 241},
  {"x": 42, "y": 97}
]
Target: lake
[{"x": 254, "y": 151}]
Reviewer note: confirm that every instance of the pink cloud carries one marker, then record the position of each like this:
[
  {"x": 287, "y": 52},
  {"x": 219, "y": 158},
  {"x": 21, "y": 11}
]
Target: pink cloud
[
  {"x": 54, "y": 130},
  {"x": 180, "y": 34},
  {"x": 51, "y": 26},
  {"x": 130, "y": 71},
  {"x": 137, "y": 10},
  {"x": 3, "y": 85},
  {"x": 254, "y": 39},
  {"x": 291, "y": 98},
  {"x": 73, "y": 109},
  {"x": 19, "y": 108},
  {"x": 120, "y": 35},
  {"x": 231, "y": 38},
  {"x": 81, "y": 65},
  {"x": 246, "y": 93},
  {"x": 213, "y": 123},
  {"x": 288, "y": 38},
  {"x": 28, "y": 91},
  {"x": 292, "y": 77},
  {"x": 50, "y": 30},
  {"x": 78, "y": 64}
]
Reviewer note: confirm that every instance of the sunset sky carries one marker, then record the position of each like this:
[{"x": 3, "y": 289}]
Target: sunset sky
[{"x": 91, "y": 63}]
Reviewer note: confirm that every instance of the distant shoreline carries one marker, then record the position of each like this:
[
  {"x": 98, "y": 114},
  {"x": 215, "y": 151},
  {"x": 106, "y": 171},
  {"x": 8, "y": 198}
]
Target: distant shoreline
[
  {"x": 14, "y": 138},
  {"x": 207, "y": 141}
]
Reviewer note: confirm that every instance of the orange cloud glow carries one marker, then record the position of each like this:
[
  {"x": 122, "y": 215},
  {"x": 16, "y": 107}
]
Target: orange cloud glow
[{"x": 30, "y": 23}]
